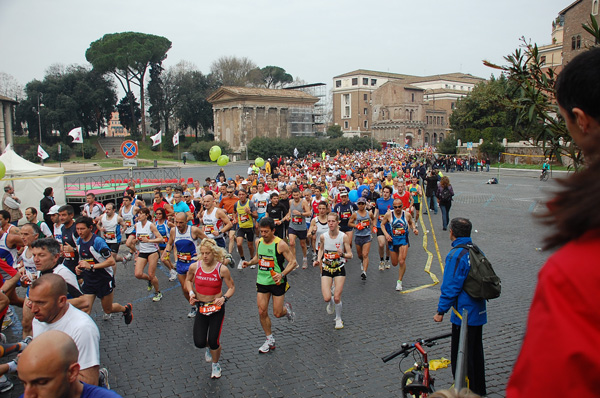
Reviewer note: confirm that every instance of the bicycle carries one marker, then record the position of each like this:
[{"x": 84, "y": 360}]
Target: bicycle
[
  {"x": 544, "y": 175},
  {"x": 417, "y": 382}
]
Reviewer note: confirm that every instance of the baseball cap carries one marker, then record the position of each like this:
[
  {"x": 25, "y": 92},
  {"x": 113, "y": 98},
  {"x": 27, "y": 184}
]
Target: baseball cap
[
  {"x": 343, "y": 193},
  {"x": 53, "y": 210},
  {"x": 187, "y": 193},
  {"x": 361, "y": 200}
]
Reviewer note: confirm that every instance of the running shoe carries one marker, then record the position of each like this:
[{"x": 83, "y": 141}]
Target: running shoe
[
  {"x": 6, "y": 324},
  {"x": 240, "y": 264},
  {"x": 128, "y": 257},
  {"x": 399, "y": 286},
  {"x": 339, "y": 324},
  {"x": 304, "y": 263},
  {"x": 267, "y": 346},
  {"x": 125, "y": 260},
  {"x": 5, "y": 384},
  {"x": 216, "y": 371},
  {"x": 229, "y": 259},
  {"x": 193, "y": 312},
  {"x": 290, "y": 315},
  {"x": 363, "y": 275},
  {"x": 157, "y": 297},
  {"x": 388, "y": 264},
  {"x": 381, "y": 265},
  {"x": 106, "y": 317},
  {"x": 253, "y": 266},
  {"x": 207, "y": 355},
  {"x": 172, "y": 275},
  {"x": 330, "y": 307},
  {"x": 103, "y": 378},
  {"x": 128, "y": 314},
  {"x": 25, "y": 342},
  {"x": 149, "y": 286}
]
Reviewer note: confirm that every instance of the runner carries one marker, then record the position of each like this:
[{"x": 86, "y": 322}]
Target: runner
[
  {"x": 261, "y": 200},
  {"x": 128, "y": 214},
  {"x": 384, "y": 204},
  {"x": 215, "y": 221},
  {"x": 362, "y": 220},
  {"x": 95, "y": 268},
  {"x": 318, "y": 225},
  {"x": 246, "y": 213},
  {"x": 164, "y": 227},
  {"x": 400, "y": 222},
  {"x": 271, "y": 280},
  {"x": 110, "y": 225},
  {"x": 227, "y": 203},
  {"x": 30, "y": 232},
  {"x": 31, "y": 216},
  {"x": 278, "y": 212},
  {"x": 92, "y": 209},
  {"x": 345, "y": 209},
  {"x": 183, "y": 238},
  {"x": 334, "y": 249},
  {"x": 416, "y": 193},
  {"x": 69, "y": 236},
  {"x": 204, "y": 282},
  {"x": 56, "y": 224},
  {"x": 148, "y": 238},
  {"x": 299, "y": 210}
]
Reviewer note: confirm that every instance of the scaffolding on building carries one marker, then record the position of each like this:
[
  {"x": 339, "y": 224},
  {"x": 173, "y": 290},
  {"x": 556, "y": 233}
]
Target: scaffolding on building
[{"x": 317, "y": 115}]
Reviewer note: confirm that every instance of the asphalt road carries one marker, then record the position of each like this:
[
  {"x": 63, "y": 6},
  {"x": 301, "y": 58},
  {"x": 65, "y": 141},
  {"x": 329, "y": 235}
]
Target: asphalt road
[{"x": 155, "y": 355}]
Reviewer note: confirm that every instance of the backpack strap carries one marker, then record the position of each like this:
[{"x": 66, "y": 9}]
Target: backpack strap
[{"x": 463, "y": 252}]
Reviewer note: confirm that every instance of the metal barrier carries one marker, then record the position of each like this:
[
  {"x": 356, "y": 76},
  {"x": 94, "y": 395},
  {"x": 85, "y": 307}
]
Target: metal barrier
[{"x": 460, "y": 375}]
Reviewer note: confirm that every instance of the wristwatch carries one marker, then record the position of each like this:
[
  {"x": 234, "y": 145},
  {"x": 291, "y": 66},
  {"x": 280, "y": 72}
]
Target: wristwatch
[{"x": 92, "y": 267}]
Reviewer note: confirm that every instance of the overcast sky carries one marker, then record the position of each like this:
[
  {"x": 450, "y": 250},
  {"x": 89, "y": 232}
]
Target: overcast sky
[{"x": 312, "y": 39}]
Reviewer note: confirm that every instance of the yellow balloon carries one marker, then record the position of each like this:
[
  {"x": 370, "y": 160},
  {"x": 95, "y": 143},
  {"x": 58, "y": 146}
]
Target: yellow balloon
[
  {"x": 2, "y": 170},
  {"x": 260, "y": 162},
  {"x": 223, "y": 160},
  {"x": 215, "y": 152}
]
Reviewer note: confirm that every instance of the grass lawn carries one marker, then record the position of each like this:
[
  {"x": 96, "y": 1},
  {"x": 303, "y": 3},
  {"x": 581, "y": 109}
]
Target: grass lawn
[{"x": 527, "y": 166}]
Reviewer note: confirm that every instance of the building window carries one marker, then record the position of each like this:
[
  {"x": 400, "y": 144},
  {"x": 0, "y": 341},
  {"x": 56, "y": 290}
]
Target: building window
[
  {"x": 578, "y": 41},
  {"x": 595, "y": 7},
  {"x": 355, "y": 81},
  {"x": 452, "y": 105},
  {"x": 411, "y": 115},
  {"x": 338, "y": 83},
  {"x": 365, "y": 81},
  {"x": 442, "y": 120},
  {"x": 573, "y": 41},
  {"x": 346, "y": 99},
  {"x": 413, "y": 97},
  {"x": 365, "y": 97},
  {"x": 346, "y": 124},
  {"x": 366, "y": 124},
  {"x": 447, "y": 86},
  {"x": 366, "y": 111},
  {"x": 346, "y": 111},
  {"x": 373, "y": 82},
  {"x": 543, "y": 60}
]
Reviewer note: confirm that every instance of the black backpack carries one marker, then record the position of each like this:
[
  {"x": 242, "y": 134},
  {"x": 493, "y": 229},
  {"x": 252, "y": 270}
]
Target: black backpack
[
  {"x": 482, "y": 282},
  {"x": 445, "y": 195}
]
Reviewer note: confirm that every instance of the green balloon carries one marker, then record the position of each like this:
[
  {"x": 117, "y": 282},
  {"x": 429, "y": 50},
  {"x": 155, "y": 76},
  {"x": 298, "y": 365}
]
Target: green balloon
[
  {"x": 215, "y": 152},
  {"x": 260, "y": 162},
  {"x": 223, "y": 160},
  {"x": 2, "y": 170}
]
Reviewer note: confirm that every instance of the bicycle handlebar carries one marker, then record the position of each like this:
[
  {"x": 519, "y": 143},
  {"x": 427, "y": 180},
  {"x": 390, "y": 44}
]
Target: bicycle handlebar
[{"x": 407, "y": 346}]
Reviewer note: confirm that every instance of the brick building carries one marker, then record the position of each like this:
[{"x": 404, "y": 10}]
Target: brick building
[
  {"x": 7, "y": 111},
  {"x": 115, "y": 128},
  {"x": 396, "y": 107},
  {"x": 575, "y": 38},
  {"x": 243, "y": 113}
]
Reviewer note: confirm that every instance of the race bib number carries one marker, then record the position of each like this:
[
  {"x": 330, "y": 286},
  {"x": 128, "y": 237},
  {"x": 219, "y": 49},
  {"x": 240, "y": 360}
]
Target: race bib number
[
  {"x": 185, "y": 257},
  {"x": 381, "y": 217},
  {"x": 399, "y": 231},
  {"x": 209, "y": 229},
  {"x": 244, "y": 218},
  {"x": 165, "y": 239},
  {"x": 345, "y": 215},
  {"x": 231, "y": 216},
  {"x": 266, "y": 263},
  {"x": 208, "y": 308},
  {"x": 110, "y": 235},
  {"x": 69, "y": 254},
  {"x": 262, "y": 204},
  {"x": 142, "y": 236},
  {"x": 297, "y": 220},
  {"x": 129, "y": 223},
  {"x": 331, "y": 259}
]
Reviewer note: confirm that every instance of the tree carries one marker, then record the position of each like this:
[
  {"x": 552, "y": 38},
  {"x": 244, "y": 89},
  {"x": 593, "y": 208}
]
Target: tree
[
  {"x": 536, "y": 109},
  {"x": 124, "y": 108},
  {"x": 70, "y": 97},
  {"x": 163, "y": 98},
  {"x": 335, "y": 131},
  {"x": 127, "y": 56},
  {"x": 193, "y": 110},
  {"x": 448, "y": 146},
  {"x": 275, "y": 77},
  {"x": 233, "y": 71},
  {"x": 10, "y": 87}
]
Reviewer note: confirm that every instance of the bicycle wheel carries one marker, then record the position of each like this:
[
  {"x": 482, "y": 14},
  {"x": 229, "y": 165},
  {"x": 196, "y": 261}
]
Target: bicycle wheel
[
  {"x": 544, "y": 177},
  {"x": 411, "y": 387}
]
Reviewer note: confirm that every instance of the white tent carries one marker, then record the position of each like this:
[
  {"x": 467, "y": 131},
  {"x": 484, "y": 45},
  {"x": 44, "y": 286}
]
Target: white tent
[{"x": 30, "y": 180}]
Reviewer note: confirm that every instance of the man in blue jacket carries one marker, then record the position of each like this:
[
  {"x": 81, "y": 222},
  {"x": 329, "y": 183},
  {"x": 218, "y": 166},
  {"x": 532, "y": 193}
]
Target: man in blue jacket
[{"x": 453, "y": 296}]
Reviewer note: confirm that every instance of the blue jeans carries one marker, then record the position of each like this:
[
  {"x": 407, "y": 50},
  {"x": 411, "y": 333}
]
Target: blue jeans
[
  {"x": 445, "y": 208},
  {"x": 433, "y": 204}
]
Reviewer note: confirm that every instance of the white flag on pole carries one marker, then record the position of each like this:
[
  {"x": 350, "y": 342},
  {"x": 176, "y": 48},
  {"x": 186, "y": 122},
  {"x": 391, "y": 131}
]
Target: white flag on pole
[
  {"x": 296, "y": 152},
  {"x": 156, "y": 138},
  {"x": 77, "y": 135},
  {"x": 42, "y": 154},
  {"x": 176, "y": 139}
]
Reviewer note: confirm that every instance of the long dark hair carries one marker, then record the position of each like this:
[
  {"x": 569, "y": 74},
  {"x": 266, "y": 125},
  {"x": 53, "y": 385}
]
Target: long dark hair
[{"x": 573, "y": 210}]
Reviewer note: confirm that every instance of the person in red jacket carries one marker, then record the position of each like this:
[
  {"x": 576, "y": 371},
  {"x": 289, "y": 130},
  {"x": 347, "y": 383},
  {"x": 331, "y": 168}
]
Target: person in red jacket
[{"x": 560, "y": 354}]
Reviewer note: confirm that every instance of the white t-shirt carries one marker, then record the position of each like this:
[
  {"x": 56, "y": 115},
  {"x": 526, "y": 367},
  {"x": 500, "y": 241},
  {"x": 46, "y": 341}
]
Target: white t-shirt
[{"x": 82, "y": 330}]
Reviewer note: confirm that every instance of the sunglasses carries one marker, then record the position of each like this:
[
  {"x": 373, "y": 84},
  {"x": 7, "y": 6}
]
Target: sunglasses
[
  {"x": 361, "y": 203},
  {"x": 397, "y": 207}
]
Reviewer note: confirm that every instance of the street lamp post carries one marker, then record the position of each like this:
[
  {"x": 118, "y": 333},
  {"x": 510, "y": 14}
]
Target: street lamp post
[{"x": 40, "y": 121}]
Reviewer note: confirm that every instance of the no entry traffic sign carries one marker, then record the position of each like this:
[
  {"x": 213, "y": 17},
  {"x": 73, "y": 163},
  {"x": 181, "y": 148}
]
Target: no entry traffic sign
[{"x": 129, "y": 149}]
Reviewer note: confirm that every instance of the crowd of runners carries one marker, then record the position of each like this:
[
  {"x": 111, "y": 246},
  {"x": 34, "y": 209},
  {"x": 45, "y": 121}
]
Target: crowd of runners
[{"x": 329, "y": 207}]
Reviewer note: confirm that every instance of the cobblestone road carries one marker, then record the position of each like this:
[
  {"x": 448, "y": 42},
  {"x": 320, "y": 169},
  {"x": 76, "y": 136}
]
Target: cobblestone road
[{"x": 155, "y": 355}]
